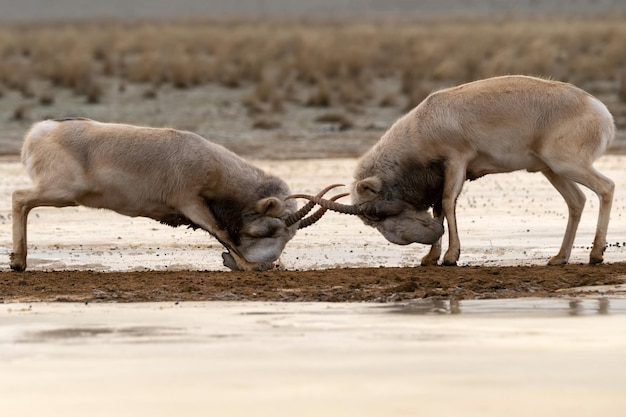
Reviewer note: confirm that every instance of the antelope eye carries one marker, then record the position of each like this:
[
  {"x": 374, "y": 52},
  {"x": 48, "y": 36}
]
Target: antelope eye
[
  {"x": 262, "y": 230},
  {"x": 373, "y": 217}
]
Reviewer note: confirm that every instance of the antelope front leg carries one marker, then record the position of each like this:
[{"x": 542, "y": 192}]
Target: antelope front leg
[
  {"x": 199, "y": 213},
  {"x": 453, "y": 184},
  {"x": 432, "y": 257},
  {"x": 237, "y": 263}
]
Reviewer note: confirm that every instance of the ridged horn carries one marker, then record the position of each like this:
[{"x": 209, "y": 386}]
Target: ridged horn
[
  {"x": 313, "y": 218},
  {"x": 329, "y": 204},
  {"x": 299, "y": 215}
]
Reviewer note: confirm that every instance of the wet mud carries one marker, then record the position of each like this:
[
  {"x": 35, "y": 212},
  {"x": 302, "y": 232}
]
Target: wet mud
[{"x": 329, "y": 285}]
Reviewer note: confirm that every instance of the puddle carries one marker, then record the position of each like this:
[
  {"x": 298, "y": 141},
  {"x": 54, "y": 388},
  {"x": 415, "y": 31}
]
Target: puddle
[
  {"x": 134, "y": 334},
  {"x": 521, "y": 307},
  {"x": 234, "y": 323}
]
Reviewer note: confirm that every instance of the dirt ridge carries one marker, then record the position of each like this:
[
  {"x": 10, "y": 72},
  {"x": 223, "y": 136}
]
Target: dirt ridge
[{"x": 329, "y": 285}]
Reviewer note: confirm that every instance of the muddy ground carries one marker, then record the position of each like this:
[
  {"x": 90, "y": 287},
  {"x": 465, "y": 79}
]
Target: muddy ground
[
  {"x": 510, "y": 226},
  {"x": 331, "y": 285}
]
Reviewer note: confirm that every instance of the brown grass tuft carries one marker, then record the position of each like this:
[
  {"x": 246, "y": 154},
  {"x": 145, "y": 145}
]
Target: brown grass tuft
[
  {"x": 342, "y": 121},
  {"x": 150, "y": 93},
  {"x": 20, "y": 113},
  {"x": 266, "y": 122},
  {"x": 46, "y": 98},
  {"x": 321, "y": 96},
  {"x": 92, "y": 91}
]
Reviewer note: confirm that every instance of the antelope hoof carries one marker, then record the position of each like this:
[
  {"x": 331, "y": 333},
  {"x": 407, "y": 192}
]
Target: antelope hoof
[
  {"x": 594, "y": 260},
  {"x": 557, "y": 260},
  {"x": 427, "y": 261},
  {"x": 15, "y": 264},
  {"x": 596, "y": 256},
  {"x": 231, "y": 263}
]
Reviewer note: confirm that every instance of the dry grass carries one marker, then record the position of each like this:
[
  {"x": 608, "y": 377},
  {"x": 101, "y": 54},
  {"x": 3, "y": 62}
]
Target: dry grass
[
  {"x": 621, "y": 90},
  {"x": 340, "y": 120},
  {"x": 266, "y": 122},
  {"x": 309, "y": 63}
]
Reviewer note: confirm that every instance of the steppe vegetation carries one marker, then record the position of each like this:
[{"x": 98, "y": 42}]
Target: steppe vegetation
[{"x": 341, "y": 65}]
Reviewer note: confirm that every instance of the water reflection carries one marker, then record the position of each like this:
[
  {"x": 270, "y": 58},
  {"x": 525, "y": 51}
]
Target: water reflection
[
  {"x": 576, "y": 307},
  {"x": 429, "y": 307},
  {"x": 521, "y": 307},
  {"x": 81, "y": 334}
]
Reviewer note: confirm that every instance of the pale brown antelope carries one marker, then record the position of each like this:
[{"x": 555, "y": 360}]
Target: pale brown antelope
[
  {"x": 495, "y": 125},
  {"x": 175, "y": 177}
]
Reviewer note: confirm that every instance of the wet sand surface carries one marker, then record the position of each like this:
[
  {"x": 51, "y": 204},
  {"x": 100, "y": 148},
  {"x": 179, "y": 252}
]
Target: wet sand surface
[{"x": 469, "y": 358}]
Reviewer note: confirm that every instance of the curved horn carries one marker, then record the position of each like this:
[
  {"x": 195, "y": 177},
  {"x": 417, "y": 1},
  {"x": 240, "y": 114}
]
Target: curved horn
[
  {"x": 330, "y": 205},
  {"x": 313, "y": 218},
  {"x": 374, "y": 210},
  {"x": 298, "y": 215}
]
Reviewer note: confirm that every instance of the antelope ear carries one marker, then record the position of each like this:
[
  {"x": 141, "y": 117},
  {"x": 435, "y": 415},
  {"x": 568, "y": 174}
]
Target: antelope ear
[
  {"x": 368, "y": 187},
  {"x": 270, "y": 206}
]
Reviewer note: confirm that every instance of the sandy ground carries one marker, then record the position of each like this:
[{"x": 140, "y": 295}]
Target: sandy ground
[{"x": 506, "y": 219}]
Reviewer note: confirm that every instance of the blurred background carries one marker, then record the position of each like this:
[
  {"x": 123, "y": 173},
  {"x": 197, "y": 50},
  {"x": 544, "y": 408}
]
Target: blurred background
[
  {"x": 148, "y": 9},
  {"x": 284, "y": 79}
]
